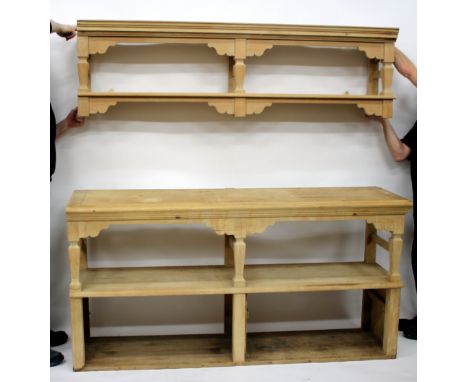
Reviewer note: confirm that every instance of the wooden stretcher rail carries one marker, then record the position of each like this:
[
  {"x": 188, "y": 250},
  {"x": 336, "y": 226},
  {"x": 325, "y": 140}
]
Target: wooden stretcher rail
[{"x": 382, "y": 242}]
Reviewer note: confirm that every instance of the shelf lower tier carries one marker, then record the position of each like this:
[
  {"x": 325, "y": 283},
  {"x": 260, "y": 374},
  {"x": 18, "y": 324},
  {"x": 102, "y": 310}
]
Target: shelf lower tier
[
  {"x": 182, "y": 351},
  {"x": 212, "y": 280},
  {"x": 236, "y": 104}
]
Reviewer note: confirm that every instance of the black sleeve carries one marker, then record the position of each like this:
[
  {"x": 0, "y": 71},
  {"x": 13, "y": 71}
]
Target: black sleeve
[
  {"x": 410, "y": 140},
  {"x": 53, "y": 128}
]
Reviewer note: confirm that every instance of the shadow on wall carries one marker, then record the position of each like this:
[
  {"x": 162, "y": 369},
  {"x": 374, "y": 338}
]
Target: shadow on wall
[
  {"x": 195, "y": 113},
  {"x": 153, "y": 54},
  {"x": 148, "y": 245},
  {"x": 297, "y": 307},
  {"x": 197, "y": 68},
  {"x": 153, "y": 245},
  {"x": 178, "y": 315}
]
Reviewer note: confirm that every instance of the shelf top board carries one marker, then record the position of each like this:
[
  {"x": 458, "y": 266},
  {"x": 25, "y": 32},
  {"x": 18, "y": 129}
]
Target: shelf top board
[
  {"x": 233, "y": 203},
  {"x": 121, "y": 28},
  {"x": 261, "y": 96}
]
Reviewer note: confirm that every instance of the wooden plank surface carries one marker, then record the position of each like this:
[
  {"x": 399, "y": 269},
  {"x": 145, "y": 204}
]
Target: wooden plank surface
[
  {"x": 234, "y": 104},
  {"x": 234, "y": 30},
  {"x": 160, "y": 352},
  {"x": 204, "y": 280},
  {"x": 208, "y": 96},
  {"x": 232, "y": 203},
  {"x": 313, "y": 346}
]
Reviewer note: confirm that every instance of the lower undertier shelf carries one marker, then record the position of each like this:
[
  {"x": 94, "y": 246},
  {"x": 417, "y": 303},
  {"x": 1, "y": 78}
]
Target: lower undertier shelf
[
  {"x": 203, "y": 280},
  {"x": 182, "y": 351}
]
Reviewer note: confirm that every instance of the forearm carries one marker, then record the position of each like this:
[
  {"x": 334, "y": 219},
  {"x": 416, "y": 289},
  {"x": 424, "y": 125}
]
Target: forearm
[
  {"x": 55, "y": 26},
  {"x": 71, "y": 120},
  {"x": 60, "y": 128},
  {"x": 406, "y": 67},
  {"x": 397, "y": 148}
]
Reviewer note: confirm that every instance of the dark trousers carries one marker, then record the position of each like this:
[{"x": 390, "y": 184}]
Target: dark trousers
[{"x": 414, "y": 254}]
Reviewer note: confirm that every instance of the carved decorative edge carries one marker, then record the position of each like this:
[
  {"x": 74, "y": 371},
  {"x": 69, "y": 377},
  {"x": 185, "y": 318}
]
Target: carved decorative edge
[
  {"x": 371, "y": 108},
  {"x": 83, "y": 230},
  {"x": 257, "y": 49},
  {"x": 393, "y": 224},
  {"x": 223, "y": 107},
  {"x": 257, "y": 107},
  {"x": 240, "y": 109},
  {"x": 98, "y": 46},
  {"x": 239, "y": 228},
  {"x": 100, "y": 106},
  {"x": 94, "y": 229},
  {"x": 238, "y": 106},
  {"x": 223, "y": 48},
  {"x": 228, "y": 48},
  {"x": 373, "y": 52}
]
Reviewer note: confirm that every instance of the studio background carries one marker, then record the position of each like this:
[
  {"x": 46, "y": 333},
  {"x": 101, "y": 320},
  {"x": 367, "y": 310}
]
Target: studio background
[{"x": 192, "y": 146}]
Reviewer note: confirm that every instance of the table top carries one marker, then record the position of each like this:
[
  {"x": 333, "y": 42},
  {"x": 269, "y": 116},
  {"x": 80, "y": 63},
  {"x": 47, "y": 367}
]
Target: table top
[{"x": 234, "y": 203}]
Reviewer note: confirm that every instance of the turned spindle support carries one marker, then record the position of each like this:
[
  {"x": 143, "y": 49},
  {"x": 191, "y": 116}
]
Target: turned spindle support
[
  {"x": 83, "y": 63},
  {"x": 387, "y": 69},
  {"x": 239, "y": 67},
  {"x": 239, "y": 261},
  {"x": 395, "y": 249}
]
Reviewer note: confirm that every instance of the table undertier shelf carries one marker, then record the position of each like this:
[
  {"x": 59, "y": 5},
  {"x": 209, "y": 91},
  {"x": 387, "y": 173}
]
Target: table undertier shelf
[
  {"x": 160, "y": 352},
  {"x": 209, "y": 280}
]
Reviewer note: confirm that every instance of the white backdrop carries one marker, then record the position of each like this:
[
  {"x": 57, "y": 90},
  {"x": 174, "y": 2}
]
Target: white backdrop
[{"x": 192, "y": 146}]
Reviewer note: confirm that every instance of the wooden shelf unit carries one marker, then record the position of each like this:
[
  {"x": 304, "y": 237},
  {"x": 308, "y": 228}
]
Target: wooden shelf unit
[
  {"x": 238, "y": 42},
  {"x": 236, "y": 214}
]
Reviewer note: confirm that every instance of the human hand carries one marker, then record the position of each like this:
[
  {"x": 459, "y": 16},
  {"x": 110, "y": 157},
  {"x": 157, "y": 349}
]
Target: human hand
[
  {"x": 64, "y": 30},
  {"x": 376, "y": 118},
  {"x": 72, "y": 120}
]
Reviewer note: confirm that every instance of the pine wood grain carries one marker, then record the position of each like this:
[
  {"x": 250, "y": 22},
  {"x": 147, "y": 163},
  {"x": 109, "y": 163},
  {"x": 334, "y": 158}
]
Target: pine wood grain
[
  {"x": 229, "y": 203},
  {"x": 233, "y": 30},
  {"x": 130, "y": 353},
  {"x": 205, "y": 280}
]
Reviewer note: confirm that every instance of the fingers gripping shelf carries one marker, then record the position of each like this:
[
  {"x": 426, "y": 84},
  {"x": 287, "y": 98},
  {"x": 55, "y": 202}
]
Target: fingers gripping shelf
[{"x": 238, "y": 42}]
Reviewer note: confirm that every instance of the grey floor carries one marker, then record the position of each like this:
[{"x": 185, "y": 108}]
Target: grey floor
[{"x": 401, "y": 369}]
